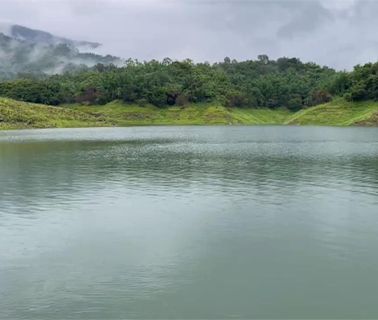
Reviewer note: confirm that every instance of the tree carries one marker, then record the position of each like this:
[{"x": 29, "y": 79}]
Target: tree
[
  {"x": 263, "y": 58},
  {"x": 358, "y": 92},
  {"x": 295, "y": 103},
  {"x": 286, "y": 82},
  {"x": 320, "y": 96}
]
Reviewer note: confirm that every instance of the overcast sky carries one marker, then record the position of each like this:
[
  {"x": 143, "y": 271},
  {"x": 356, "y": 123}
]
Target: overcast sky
[{"x": 339, "y": 33}]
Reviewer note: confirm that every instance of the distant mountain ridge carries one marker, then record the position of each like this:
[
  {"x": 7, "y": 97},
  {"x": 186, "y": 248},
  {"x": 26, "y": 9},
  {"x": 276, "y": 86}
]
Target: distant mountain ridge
[
  {"x": 35, "y": 52},
  {"x": 41, "y": 37}
]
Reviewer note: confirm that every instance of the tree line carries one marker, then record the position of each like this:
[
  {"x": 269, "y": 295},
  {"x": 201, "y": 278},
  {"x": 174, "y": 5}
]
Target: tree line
[{"x": 285, "y": 82}]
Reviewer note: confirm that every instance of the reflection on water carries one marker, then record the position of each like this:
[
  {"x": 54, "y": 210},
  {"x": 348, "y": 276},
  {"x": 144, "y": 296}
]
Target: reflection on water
[{"x": 193, "y": 222}]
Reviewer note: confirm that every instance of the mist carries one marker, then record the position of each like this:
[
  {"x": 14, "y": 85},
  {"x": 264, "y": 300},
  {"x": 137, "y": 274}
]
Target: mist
[{"x": 339, "y": 33}]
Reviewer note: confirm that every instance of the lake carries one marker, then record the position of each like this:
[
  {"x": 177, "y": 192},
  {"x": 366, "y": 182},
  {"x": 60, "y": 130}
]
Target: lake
[{"x": 189, "y": 222}]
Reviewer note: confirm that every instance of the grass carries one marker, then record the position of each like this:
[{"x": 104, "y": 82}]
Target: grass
[
  {"x": 22, "y": 115},
  {"x": 198, "y": 114},
  {"x": 337, "y": 113},
  {"x": 19, "y": 115}
]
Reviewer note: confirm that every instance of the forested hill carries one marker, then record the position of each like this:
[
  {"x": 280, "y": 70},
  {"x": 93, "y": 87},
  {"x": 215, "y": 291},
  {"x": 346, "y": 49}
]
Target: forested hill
[
  {"x": 40, "y": 37},
  {"x": 26, "y": 52},
  {"x": 285, "y": 82}
]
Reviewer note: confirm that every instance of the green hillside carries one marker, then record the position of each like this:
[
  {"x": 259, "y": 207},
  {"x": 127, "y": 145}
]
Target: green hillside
[
  {"x": 336, "y": 113},
  {"x": 18, "y": 115},
  {"x": 198, "y": 114},
  {"x": 22, "y": 115}
]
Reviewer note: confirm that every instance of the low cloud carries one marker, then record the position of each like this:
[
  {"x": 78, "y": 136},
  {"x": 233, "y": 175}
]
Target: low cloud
[{"x": 336, "y": 33}]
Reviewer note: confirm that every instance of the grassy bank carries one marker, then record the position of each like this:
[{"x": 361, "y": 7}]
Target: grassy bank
[
  {"x": 17, "y": 115},
  {"x": 337, "y": 113},
  {"x": 200, "y": 114},
  {"x": 21, "y": 115}
]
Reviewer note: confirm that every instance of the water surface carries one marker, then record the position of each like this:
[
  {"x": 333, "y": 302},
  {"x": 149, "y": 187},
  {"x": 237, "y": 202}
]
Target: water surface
[{"x": 189, "y": 222}]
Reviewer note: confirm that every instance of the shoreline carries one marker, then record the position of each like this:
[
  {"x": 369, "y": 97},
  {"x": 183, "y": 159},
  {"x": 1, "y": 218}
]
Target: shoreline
[
  {"x": 16, "y": 115},
  {"x": 189, "y": 125}
]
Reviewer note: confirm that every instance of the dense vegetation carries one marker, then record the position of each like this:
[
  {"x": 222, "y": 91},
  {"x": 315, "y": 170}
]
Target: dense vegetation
[
  {"x": 263, "y": 83},
  {"x": 286, "y": 82}
]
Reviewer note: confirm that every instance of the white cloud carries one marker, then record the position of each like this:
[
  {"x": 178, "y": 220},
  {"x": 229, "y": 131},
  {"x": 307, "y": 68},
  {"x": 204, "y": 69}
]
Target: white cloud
[
  {"x": 338, "y": 4},
  {"x": 340, "y": 33}
]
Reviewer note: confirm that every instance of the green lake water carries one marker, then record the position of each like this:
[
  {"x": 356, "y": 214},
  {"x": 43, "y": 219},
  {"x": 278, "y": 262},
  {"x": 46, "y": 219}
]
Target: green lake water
[{"x": 189, "y": 222}]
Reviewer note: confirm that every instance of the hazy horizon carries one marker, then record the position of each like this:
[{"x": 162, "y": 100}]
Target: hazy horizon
[{"x": 339, "y": 33}]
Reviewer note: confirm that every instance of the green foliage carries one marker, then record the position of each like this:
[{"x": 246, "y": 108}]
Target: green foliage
[
  {"x": 295, "y": 103},
  {"x": 262, "y": 83},
  {"x": 47, "y": 92},
  {"x": 359, "y": 85},
  {"x": 358, "y": 91}
]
